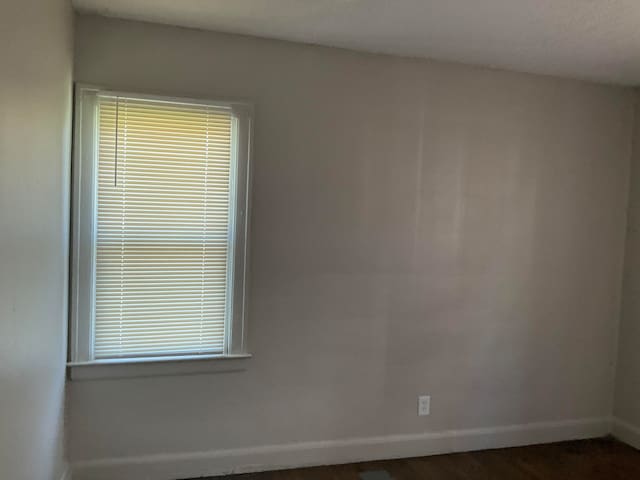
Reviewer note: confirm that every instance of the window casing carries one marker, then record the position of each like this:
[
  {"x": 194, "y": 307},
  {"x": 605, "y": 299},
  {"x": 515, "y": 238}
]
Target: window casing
[{"x": 161, "y": 198}]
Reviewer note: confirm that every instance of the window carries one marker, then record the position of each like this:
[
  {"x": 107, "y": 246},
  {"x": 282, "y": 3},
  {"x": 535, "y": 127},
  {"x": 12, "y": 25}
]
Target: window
[{"x": 160, "y": 228}]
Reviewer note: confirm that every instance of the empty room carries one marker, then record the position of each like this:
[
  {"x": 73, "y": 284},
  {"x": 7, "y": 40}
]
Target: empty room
[{"x": 324, "y": 240}]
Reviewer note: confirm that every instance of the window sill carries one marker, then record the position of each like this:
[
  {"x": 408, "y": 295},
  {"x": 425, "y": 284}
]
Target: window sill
[{"x": 157, "y": 366}]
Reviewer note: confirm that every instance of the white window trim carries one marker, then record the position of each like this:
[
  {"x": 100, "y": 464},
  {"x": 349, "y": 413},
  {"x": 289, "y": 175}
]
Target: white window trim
[{"x": 82, "y": 364}]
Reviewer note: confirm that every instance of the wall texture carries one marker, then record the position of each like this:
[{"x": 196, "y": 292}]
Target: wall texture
[
  {"x": 627, "y": 398},
  {"x": 418, "y": 228},
  {"x": 36, "y": 56}
]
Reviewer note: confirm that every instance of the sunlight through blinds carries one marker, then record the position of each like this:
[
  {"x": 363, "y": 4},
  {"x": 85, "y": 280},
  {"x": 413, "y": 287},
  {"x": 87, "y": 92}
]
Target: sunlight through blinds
[{"x": 163, "y": 225}]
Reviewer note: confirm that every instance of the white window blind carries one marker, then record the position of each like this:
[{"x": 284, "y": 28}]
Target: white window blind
[{"x": 164, "y": 227}]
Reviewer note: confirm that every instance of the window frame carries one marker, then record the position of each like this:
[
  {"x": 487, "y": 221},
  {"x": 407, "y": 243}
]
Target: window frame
[{"x": 83, "y": 242}]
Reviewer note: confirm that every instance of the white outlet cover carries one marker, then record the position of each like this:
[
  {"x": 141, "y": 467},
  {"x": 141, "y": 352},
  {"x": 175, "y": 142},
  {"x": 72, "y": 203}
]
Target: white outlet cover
[{"x": 424, "y": 405}]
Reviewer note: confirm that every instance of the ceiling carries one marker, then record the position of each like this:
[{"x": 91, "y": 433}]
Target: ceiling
[{"x": 589, "y": 39}]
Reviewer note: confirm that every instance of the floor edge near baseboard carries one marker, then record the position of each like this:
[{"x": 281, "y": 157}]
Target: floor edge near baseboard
[
  {"x": 626, "y": 432},
  {"x": 275, "y": 457}
]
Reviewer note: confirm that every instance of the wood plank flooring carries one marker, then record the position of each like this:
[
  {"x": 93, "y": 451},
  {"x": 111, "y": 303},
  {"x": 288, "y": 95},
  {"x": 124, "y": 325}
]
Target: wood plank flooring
[{"x": 599, "y": 459}]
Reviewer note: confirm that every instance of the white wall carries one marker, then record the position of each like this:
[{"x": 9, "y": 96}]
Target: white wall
[
  {"x": 418, "y": 228},
  {"x": 627, "y": 397},
  {"x": 35, "y": 104}
]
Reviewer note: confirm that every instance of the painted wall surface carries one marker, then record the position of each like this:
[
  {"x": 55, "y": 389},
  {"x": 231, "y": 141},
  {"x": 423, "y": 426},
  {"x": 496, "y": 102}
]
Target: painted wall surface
[
  {"x": 36, "y": 56},
  {"x": 627, "y": 398},
  {"x": 418, "y": 228}
]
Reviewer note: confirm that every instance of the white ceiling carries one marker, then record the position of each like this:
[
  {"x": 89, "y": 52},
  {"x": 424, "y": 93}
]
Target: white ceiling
[{"x": 591, "y": 39}]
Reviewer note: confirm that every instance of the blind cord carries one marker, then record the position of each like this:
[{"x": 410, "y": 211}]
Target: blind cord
[{"x": 115, "y": 159}]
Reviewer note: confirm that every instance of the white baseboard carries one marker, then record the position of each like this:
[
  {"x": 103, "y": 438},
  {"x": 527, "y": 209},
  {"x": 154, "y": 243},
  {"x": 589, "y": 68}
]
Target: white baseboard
[
  {"x": 66, "y": 473},
  {"x": 275, "y": 457},
  {"x": 626, "y": 432}
]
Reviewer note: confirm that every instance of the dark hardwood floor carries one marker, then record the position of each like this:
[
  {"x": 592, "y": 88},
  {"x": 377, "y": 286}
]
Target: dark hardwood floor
[{"x": 604, "y": 459}]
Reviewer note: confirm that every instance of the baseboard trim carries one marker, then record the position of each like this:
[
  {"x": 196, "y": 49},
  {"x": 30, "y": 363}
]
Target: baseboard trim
[
  {"x": 66, "y": 473},
  {"x": 276, "y": 457},
  {"x": 626, "y": 432}
]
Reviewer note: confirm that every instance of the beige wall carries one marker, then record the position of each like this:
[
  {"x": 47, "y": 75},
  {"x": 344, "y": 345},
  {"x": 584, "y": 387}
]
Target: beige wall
[
  {"x": 627, "y": 404},
  {"x": 35, "y": 105},
  {"x": 418, "y": 228}
]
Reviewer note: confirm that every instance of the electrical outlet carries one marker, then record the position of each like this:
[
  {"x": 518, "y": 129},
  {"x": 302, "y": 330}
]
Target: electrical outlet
[{"x": 424, "y": 405}]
